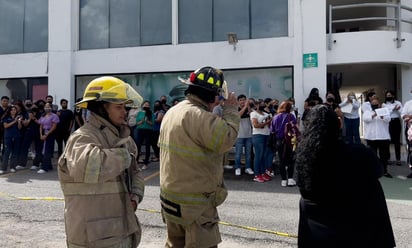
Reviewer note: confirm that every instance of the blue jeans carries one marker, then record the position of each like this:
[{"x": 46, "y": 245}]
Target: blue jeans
[
  {"x": 263, "y": 154},
  {"x": 12, "y": 147},
  {"x": 352, "y": 130},
  {"x": 240, "y": 143}
]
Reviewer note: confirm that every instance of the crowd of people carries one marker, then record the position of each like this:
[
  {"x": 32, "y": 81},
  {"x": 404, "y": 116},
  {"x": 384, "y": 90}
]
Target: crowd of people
[
  {"x": 29, "y": 128},
  {"x": 32, "y": 129},
  {"x": 99, "y": 163},
  {"x": 382, "y": 126}
]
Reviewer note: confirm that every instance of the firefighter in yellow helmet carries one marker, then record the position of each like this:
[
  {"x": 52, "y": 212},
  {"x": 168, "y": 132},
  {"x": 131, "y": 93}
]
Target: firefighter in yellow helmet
[
  {"x": 192, "y": 143},
  {"x": 98, "y": 171}
]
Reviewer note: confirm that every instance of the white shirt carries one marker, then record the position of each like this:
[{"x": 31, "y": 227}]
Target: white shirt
[
  {"x": 376, "y": 128},
  {"x": 366, "y": 106},
  {"x": 391, "y": 106},
  {"x": 354, "y": 114},
  {"x": 407, "y": 108},
  {"x": 260, "y": 119}
]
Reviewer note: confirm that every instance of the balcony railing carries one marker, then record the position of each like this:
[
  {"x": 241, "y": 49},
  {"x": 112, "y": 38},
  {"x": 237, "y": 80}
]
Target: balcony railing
[{"x": 397, "y": 19}]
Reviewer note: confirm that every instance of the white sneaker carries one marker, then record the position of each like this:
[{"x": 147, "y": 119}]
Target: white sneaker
[
  {"x": 229, "y": 167},
  {"x": 1, "y": 172},
  {"x": 291, "y": 182},
  {"x": 41, "y": 171},
  {"x": 144, "y": 167},
  {"x": 238, "y": 172},
  {"x": 12, "y": 170},
  {"x": 284, "y": 183},
  {"x": 249, "y": 171},
  {"x": 34, "y": 167},
  {"x": 19, "y": 167}
]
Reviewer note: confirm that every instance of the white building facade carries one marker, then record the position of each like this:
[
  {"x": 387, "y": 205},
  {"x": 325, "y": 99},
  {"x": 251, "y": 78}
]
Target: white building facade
[{"x": 285, "y": 47}]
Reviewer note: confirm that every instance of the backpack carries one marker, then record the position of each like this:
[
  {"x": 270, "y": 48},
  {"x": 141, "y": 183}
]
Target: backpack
[{"x": 292, "y": 134}]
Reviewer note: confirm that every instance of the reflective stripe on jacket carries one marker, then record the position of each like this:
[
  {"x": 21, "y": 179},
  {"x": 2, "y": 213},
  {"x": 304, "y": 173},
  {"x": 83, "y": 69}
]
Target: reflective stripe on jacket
[
  {"x": 192, "y": 143},
  {"x": 92, "y": 173}
]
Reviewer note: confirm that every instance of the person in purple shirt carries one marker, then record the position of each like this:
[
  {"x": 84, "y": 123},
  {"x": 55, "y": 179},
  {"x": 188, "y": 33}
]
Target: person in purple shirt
[
  {"x": 48, "y": 124},
  {"x": 285, "y": 152}
]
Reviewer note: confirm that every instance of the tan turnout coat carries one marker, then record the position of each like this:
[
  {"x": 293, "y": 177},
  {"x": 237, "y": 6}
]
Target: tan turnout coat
[
  {"x": 92, "y": 173},
  {"x": 192, "y": 144}
]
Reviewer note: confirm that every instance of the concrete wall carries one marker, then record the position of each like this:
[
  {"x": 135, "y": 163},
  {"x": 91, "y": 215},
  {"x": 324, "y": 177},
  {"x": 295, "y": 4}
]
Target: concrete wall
[{"x": 307, "y": 34}]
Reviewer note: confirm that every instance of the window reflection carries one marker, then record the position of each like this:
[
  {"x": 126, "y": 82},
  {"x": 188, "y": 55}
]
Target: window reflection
[{"x": 23, "y": 26}]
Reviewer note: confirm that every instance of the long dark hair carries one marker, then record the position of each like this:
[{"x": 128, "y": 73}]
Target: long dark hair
[
  {"x": 7, "y": 113},
  {"x": 319, "y": 141}
]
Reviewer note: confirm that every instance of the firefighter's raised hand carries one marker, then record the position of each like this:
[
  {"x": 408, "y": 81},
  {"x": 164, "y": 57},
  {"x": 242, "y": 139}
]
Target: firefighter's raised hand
[{"x": 231, "y": 99}]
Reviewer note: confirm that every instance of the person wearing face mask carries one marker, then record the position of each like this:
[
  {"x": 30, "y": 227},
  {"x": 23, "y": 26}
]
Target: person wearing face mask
[
  {"x": 31, "y": 136},
  {"x": 144, "y": 132},
  {"x": 163, "y": 101},
  {"x": 48, "y": 125},
  {"x": 158, "y": 114},
  {"x": 260, "y": 133},
  {"x": 28, "y": 103},
  {"x": 351, "y": 119},
  {"x": 395, "y": 128},
  {"x": 376, "y": 133},
  {"x": 406, "y": 115}
]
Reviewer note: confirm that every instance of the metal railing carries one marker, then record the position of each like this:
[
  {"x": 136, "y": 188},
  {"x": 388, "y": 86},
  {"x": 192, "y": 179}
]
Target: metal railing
[{"x": 397, "y": 19}]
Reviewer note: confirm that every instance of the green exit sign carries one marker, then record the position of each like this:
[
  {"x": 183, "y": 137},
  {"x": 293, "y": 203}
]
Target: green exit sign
[{"x": 310, "y": 60}]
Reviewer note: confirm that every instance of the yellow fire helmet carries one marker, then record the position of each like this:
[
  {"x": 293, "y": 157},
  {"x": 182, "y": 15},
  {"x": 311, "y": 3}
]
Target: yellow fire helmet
[{"x": 110, "y": 89}]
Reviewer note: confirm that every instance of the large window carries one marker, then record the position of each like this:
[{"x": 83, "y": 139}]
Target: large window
[
  {"x": 195, "y": 21},
  {"x": 269, "y": 18},
  {"x": 23, "y": 26},
  {"x": 257, "y": 83},
  {"x": 18, "y": 89},
  {"x": 124, "y": 23},
  {"x": 211, "y": 20}
]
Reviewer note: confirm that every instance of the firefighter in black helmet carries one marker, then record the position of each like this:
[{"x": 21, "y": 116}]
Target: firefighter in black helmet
[{"x": 192, "y": 143}]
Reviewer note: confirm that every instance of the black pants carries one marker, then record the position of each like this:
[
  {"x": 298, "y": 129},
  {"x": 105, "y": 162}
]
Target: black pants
[
  {"x": 155, "y": 139},
  {"x": 395, "y": 129},
  {"x": 381, "y": 148},
  {"x": 144, "y": 136},
  {"x": 286, "y": 154},
  {"x": 61, "y": 137}
]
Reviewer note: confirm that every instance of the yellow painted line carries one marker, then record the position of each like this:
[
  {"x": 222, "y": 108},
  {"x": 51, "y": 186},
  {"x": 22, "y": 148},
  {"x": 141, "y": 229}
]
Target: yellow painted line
[
  {"x": 158, "y": 212},
  {"x": 259, "y": 230},
  {"x": 151, "y": 176},
  {"x": 32, "y": 198},
  {"x": 283, "y": 234}
]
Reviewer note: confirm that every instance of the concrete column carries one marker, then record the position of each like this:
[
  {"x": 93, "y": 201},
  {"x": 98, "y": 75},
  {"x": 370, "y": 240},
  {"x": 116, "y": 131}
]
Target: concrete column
[
  {"x": 406, "y": 85},
  {"x": 63, "y": 20},
  {"x": 312, "y": 29},
  {"x": 405, "y": 89}
]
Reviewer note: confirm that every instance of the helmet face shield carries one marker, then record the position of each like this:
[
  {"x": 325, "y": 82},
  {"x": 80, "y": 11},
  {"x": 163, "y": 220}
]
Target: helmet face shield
[
  {"x": 134, "y": 98},
  {"x": 110, "y": 89},
  {"x": 224, "y": 90}
]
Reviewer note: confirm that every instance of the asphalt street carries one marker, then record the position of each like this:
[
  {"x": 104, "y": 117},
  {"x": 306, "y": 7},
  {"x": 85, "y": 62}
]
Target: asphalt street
[{"x": 254, "y": 214}]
